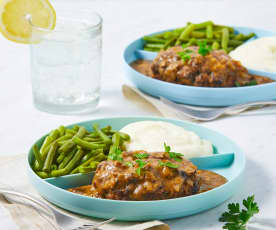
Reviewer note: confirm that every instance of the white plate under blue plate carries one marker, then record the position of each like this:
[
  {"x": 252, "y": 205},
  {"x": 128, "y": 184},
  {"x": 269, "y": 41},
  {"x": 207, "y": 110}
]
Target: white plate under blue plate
[
  {"x": 193, "y": 95},
  {"x": 54, "y": 189}
]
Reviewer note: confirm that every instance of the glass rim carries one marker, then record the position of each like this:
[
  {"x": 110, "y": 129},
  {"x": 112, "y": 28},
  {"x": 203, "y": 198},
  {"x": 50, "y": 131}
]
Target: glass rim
[{"x": 87, "y": 28}]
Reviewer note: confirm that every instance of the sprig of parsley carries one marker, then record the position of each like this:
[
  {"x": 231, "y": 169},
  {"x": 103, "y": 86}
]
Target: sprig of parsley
[
  {"x": 168, "y": 164},
  {"x": 185, "y": 55},
  {"x": 141, "y": 155},
  {"x": 173, "y": 155},
  {"x": 237, "y": 219},
  {"x": 203, "y": 48},
  {"x": 116, "y": 155},
  {"x": 141, "y": 165}
]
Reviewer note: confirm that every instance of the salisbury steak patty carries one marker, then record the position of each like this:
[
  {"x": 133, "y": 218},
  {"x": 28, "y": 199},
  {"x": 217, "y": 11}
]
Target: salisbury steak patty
[
  {"x": 119, "y": 180},
  {"x": 216, "y": 69}
]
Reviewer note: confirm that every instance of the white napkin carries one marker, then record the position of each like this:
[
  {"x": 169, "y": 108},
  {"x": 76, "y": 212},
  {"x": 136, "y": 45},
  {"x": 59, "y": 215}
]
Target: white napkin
[
  {"x": 157, "y": 107},
  {"x": 13, "y": 171}
]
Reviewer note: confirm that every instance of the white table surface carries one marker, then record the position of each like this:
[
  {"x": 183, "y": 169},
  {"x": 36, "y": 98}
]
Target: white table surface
[{"x": 124, "y": 21}]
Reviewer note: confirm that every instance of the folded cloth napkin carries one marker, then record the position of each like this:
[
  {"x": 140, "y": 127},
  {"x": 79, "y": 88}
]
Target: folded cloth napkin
[
  {"x": 14, "y": 216},
  {"x": 154, "y": 105}
]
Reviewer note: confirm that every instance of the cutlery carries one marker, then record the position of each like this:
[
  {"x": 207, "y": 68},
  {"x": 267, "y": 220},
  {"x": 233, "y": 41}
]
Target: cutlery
[
  {"x": 65, "y": 222},
  {"x": 210, "y": 114}
]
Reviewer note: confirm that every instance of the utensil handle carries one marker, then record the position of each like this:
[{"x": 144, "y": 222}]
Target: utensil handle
[
  {"x": 249, "y": 104},
  {"x": 38, "y": 202}
]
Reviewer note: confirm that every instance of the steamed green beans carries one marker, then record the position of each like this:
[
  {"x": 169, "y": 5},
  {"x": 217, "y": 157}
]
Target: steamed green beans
[
  {"x": 75, "y": 150},
  {"x": 217, "y": 36}
]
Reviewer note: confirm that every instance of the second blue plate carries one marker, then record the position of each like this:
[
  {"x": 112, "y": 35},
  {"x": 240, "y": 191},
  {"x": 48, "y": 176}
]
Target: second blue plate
[{"x": 202, "y": 96}]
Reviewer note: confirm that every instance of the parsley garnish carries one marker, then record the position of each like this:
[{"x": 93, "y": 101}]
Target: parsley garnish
[
  {"x": 252, "y": 82},
  {"x": 141, "y": 155},
  {"x": 141, "y": 164},
  {"x": 173, "y": 155},
  {"x": 237, "y": 219},
  {"x": 168, "y": 164},
  {"x": 116, "y": 155},
  {"x": 203, "y": 48},
  {"x": 185, "y": 55},
  {"x": 128, "y": 163}
]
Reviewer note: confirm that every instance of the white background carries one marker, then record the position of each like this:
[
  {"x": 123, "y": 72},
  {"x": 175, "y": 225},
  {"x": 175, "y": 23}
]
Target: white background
[{"x": 123, "y": 21}]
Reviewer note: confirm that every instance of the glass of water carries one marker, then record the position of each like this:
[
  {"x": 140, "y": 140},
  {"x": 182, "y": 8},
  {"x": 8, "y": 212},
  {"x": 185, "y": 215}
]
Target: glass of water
[{"x": 66, "y": 64}]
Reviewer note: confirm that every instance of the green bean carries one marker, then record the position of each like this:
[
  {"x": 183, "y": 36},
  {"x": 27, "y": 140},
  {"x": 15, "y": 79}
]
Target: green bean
[
  {"x": 93, "y": 135},
  {"x": 91, "y": 154},
  {"x": 215, "y": 45},
  {"x": 42, "y": 174},
  {"x": 87, "y": 169},
  {"x": 66, "y": 159},
  {"x": 91, "y": 139},
  {"x": 185, "y": 34},
  {"x": 70, "y": 131},
  {"x": 50, "y": 157},
  {"x": 104, "y": 137},
  {"x": 60, "y": 158},
  {"x": 203, "y": 25},
  {"x": 169, "y": 42},
  {"x": 86, "y": 144},
  {"x": 37, "y": 157},
  {"x": 65, "y": 137},
  {"x": 70, "y": 166},
  {"x": 124, "y": 136},
  {"x": 209, "y": 31},
  {"x": 115, "y": 143},
  {"x": 225, "y": 39},
  {"x": 48, "y": 140},
  {"x": 54, "y": 167},
  {"x": 221, "y": 27},
  {"x": 154, "y": 45},
  {"x": 54, "y": 134},
  {"x": 153, "y": 39},
  {"x": 70, "y": 144},
  {"x": 99, "y": 157},
  {"x": 76, "y": 128},
  {"x": 151, "y": 49},
  {"x": 60, "y": 143},
  {"x": 197, "y": 34},
  {"x": 43, "y": 151},
  {"x": 67, "y": 146},
  {"x": 61, "y": 130},
  {"x": 234, "y": 43}
]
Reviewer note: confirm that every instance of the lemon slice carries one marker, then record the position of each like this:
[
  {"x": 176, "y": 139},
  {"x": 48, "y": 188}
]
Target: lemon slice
[{"x": 14, "y": 24}]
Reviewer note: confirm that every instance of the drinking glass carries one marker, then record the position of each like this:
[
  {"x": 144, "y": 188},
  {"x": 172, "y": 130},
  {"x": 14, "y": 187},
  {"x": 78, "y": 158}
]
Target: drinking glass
[{"x": 66, "y": 63}]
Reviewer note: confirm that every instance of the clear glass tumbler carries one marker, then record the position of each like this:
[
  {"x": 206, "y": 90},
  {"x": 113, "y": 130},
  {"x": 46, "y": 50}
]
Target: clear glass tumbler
[{"x": 66, "y": 64}]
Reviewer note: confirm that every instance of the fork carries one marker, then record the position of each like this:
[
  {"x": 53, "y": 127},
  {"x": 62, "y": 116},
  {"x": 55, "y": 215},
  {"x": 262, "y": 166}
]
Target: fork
[
  {"x": 59, "y": 218},
  {"x": 210, "y": 114}
]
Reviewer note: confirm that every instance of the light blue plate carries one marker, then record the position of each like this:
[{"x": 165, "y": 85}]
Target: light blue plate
[
  {"x": 202, "y": 96},
  {"x": 53, "y": 189}
]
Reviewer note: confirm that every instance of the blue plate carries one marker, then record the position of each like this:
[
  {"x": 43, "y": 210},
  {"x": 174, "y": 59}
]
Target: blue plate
[
  {"x": 202, "y": 96},
  {"x": 54, "y": 189}
]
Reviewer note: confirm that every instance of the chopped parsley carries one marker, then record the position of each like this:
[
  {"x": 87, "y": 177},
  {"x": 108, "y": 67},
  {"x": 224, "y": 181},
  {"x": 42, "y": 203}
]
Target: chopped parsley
[
  {"x": 128, "y": 163},
  {"x": 141, "y": 155},
  {"x": 250, "y": 83},
  {"x": 116, "y": 155},
  {"x": 141, "y": 165},
  {"x": 173, "y": 155},
  {"x": 185, "y": 55},
  {"x": 203, "y": 48},
  {"x": 237, "y": 219},
  {"x": 168, "y": 164}
]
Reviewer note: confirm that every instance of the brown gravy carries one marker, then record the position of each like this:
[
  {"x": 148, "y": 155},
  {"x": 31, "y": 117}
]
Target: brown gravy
[
  {"x": 142, "y": 66},
  {"x": 209, "y": 181}
]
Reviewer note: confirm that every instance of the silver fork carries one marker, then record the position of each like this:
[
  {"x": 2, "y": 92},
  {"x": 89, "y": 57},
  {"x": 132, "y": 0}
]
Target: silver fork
[
  {"x": 213, "y": 113},
  {"x": 63, "y": 221}
]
